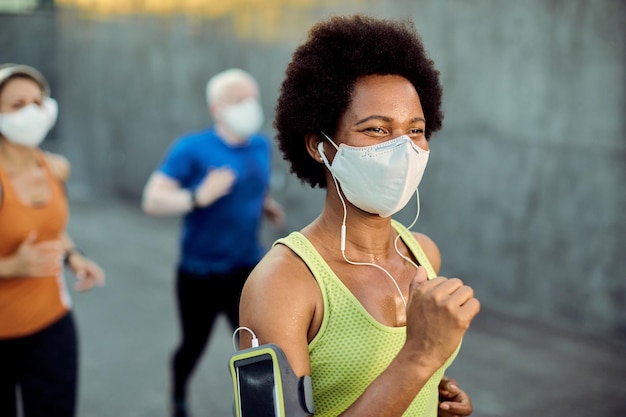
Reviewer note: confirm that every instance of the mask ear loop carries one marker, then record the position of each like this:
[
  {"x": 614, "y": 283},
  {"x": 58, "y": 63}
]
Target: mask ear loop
[{"x": 320, "y": 148}]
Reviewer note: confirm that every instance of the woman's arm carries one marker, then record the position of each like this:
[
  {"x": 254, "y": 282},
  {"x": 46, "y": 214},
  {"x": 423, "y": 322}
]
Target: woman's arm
[
  {"x": 436, "y": 321},
  {"x": 33, "y": 259},
  {"x": 88, "y": 273},
  {"x": 453, "y": 401},
  {"x": 282, "y": 304}
]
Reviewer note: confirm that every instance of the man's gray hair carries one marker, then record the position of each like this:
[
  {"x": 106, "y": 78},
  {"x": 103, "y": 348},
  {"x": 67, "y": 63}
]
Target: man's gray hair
[{"x": 218, "y": 83}]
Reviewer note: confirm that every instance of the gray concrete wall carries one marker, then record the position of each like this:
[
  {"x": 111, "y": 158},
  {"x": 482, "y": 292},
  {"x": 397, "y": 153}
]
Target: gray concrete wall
[{"x": 524, "y": 192}]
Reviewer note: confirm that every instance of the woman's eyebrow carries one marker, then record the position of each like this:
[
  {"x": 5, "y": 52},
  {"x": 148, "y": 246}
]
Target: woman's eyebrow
[
  {"x": 386, "y": 119},
  {"x": 374, "y": 117}
]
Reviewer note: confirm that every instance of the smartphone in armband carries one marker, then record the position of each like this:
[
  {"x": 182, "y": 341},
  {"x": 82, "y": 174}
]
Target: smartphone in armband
[{"x": 266, "y": 386}]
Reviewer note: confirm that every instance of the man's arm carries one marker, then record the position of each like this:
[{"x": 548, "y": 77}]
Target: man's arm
[
  {"x": 274, "y": 211},
  {"x": 163, "y": 196}
]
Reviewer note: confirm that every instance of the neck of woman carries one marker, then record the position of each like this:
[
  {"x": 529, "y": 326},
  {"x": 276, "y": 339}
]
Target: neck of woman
[{"x": 16, "y": 157}]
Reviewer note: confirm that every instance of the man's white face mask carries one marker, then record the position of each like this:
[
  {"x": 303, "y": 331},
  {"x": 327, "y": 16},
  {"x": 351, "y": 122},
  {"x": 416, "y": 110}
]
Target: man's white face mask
[
  {"x": 380, "y": 178},
  {"x": 29, "y": 125},
  {"x": 244, "y": 118}
]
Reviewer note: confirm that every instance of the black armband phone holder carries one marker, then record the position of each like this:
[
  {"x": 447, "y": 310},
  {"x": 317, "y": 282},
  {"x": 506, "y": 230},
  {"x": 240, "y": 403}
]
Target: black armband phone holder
[{"x": 266, "y": 386}]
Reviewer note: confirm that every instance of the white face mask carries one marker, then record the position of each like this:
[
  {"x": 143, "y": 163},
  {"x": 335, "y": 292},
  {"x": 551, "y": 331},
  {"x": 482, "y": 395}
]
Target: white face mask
[
  {"x": 29, "y": 125},
  {"x": 380, "y": 178},
  {"x": 244, "y": 118}
]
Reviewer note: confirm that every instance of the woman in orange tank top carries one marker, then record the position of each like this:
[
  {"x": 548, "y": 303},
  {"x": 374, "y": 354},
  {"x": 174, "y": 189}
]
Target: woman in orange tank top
[{"x": 38, "y": 348}]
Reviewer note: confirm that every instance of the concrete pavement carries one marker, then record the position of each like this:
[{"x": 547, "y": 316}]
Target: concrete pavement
[{"x": 127, "y": 329}]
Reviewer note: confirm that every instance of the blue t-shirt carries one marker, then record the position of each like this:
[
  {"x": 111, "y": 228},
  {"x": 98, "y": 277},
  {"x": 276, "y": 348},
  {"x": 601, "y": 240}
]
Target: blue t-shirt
[{"x": 224, "y": 235}]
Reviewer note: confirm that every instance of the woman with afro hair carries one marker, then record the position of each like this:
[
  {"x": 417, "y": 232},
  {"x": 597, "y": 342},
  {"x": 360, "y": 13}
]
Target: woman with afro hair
[{"x": 354, "y": 298}]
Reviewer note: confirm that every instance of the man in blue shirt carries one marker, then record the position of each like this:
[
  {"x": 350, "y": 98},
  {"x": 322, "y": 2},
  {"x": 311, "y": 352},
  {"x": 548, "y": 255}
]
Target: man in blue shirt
[{"x": 219, "y": 179}]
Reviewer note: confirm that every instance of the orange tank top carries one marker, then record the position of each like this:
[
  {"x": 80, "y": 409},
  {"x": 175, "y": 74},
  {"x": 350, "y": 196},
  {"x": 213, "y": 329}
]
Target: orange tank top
[{"x": 28, "y": 305}]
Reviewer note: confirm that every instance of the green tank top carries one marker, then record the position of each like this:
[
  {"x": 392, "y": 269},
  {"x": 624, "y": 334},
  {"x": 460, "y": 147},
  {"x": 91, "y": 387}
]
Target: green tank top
[{"x": 351, "y": 348}]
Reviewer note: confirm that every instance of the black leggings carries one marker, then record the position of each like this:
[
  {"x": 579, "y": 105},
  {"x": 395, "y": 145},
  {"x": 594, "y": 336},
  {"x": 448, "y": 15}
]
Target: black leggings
[
  {"x": 43, "y": 366},
  {"x": 200, "y": 299}
]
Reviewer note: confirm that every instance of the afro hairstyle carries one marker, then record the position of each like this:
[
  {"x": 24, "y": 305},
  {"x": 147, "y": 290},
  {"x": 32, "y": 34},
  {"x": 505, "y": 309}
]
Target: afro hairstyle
[{"x": 320, "y": 79}]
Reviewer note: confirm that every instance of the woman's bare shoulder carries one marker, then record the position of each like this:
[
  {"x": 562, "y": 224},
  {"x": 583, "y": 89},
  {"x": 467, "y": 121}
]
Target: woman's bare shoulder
[
  {"x": 59, "y": 165},
  {"x": 430, "y": 249},
  {"x": 279, "y": 289},
  {"x": 282, "y": 304},
  {"x": 281, "y": 270}
]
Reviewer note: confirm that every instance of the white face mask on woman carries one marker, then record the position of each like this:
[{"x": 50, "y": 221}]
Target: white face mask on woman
[
  {"x": 29, "y": 125},
  {"x": 244, "y": 118},
  {"x": 379, "y": 178}
]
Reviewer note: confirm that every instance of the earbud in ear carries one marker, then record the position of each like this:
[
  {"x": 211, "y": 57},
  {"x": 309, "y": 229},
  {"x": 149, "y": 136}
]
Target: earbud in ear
[{"x": 320, "y": 151}]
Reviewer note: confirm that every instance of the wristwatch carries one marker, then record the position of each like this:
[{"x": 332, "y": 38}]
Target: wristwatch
[{"x": 68, "y": 254}]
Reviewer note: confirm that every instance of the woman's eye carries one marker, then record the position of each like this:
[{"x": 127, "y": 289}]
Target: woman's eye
[
  {"x": 375, "y": 130},
  {"x": 19, "y": 104},
  {"x": 417, "y": 131}
]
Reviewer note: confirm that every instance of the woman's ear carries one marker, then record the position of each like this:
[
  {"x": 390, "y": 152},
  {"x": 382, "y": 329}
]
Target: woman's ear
[{"x": 312, "y": 140}]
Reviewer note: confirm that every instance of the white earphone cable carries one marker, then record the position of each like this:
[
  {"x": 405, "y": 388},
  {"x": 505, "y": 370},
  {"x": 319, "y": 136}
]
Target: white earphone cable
[{"x": 395, "y": 243}]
